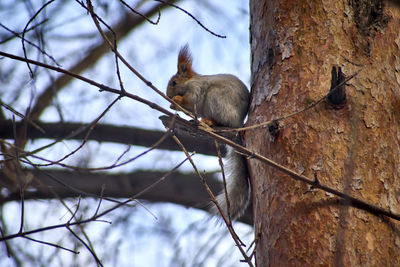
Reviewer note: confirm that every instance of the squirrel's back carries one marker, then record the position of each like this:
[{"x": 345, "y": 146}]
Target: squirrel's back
[{"x": 225, "y": 99}]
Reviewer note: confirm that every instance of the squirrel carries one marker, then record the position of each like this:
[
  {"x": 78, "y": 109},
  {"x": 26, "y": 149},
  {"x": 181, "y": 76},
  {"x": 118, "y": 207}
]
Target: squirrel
[{"x": 220, "y": 100}]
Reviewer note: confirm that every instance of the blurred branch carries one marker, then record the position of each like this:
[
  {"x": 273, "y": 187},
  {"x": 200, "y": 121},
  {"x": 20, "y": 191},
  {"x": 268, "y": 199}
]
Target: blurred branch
[
  {"x": 182, "y": 189},
  {"x": 107, "y": 133}
]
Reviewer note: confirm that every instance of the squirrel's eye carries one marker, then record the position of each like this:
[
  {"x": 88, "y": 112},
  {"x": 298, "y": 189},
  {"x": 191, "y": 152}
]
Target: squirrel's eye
[{"x": 173, "y": 83}]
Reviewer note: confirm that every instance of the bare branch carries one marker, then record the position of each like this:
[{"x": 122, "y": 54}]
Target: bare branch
[
  {"x": 110, "y": 133},
  {"x": 235, "y": 237},
  {"x": 140, "y": 14},
  {"x": 25, "y": 29},
  {"x": 86, "y": 245},
  {"x": 16, "y": 34},
  {"x": 266, "y": 123},
  {"x": 51, "y": 244},
  {"x": 69, "y": 223},
  {"x": 193, "y": 17}
]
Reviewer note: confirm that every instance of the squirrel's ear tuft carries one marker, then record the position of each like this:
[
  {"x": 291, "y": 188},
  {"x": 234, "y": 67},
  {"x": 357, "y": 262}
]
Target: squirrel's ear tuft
[{"x": 185, "y": 61}]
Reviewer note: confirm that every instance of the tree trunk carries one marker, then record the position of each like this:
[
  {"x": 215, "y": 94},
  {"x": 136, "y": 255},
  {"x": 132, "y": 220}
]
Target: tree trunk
[{"x": 354, "y": 149}]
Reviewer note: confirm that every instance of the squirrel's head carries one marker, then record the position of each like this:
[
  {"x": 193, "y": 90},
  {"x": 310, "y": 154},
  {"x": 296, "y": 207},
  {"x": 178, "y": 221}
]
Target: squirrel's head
[{"x": 184, "y": 73}]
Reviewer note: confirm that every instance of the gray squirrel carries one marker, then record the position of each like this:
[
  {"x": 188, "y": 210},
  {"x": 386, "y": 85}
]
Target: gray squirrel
[{"x": 220, "y": 100}]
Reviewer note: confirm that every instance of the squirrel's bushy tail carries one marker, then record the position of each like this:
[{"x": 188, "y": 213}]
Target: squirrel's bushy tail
[{"x": 237, "y": 186}]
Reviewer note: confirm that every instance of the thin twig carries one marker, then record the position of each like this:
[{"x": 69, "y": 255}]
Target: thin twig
[
  {"x": 235, "y": 237},
  {"x": 95, "y": 19},
  {"x": 16, "y": 34},
  {"x": 91, "y": 127},
  {"x": 86, "y": 245},
  {"x": 221, "y": 164},
  {"x": 99, "y": 215},
  {"x": 25, "y": 29},
  {"x": 25, "y": 154},
  {"x": 353, "y": 63},
  {"x": 140, "y": 14},
  {"x": 19, "y": 114},
  {"x": 73, "y": 214},
  {"x": 103, "y": 187},
  {"x": 256, "y": 240},
  {"x": 255, "y": 126},
  {"x": 50, "y": 244},
  {"x": 292, "y": 174},
  {"x": 193, "y": 17},
  {"x": 21, "y": 224}
]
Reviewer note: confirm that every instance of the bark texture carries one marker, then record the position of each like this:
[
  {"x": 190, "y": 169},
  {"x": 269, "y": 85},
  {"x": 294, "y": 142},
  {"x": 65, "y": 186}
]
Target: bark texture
[{"x": 355, "y": 149}]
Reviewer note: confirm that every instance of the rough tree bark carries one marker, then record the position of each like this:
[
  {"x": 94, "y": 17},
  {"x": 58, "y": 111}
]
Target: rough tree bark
[{"x": 354, "y": 149}]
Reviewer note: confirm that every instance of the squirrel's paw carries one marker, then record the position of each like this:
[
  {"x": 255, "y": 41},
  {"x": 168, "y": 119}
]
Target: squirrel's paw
[
  {"x": 209, "y": 122},
  {"x": 206, "y": 124},
  {"x": 178, "y": 99}
]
